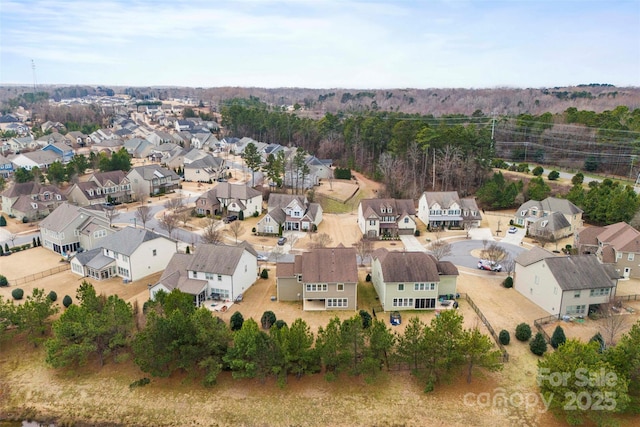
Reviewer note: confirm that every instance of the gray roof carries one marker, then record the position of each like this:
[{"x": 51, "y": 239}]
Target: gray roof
[
  {"x": 554, "y": 222},
  {"x": 216, "y": 259},
  {"x": 399, "y": 207},
  {"x": 579, "y": 272},
  {"x": 408, "y": 266},
  {"x": 63, "y": 215},
  {"x": 330, "y": 265},
  {"x": 532, "y": 256},
  {"x": 225, "y": 190},
  {"x": 443, "y": 198},
  {"x": 205, "y": 162},
  {"x": 175, "y": 269},
  {"x": 550, "y": 204},
  {"x": 42, "y": 157},
  {"x": 149, "y": 172},
  {"x": 280, "y": 200},
  {"x": 127, "y": 240}
]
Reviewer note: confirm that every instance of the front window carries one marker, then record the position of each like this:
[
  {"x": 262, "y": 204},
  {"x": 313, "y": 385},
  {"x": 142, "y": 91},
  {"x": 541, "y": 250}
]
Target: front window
[
  {"x": 340, "y": 287},
  {"x": 576, "y": 294},
  {"x": 400, "y": 286}
]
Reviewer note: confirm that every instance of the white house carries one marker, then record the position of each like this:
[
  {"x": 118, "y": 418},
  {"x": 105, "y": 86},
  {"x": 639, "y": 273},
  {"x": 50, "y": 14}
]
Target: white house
[
  {"x": 291, "y": 212},
  {"x": 131, "y": 253},
  {"x": 235, "y": 198},
  {"x": 447, "y": 209},
  {"x": 217, "y": 272},
  {"x": 386, "y": 217},
  {"x": 564, "y": 285}
]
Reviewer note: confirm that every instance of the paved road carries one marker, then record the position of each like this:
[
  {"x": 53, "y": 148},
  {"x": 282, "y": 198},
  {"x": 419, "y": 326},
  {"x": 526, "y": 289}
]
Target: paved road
[{"x": 461, "y": 252}]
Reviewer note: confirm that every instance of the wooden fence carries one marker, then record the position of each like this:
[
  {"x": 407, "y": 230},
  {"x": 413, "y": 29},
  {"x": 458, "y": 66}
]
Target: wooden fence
[
  {"x": 635, "y": 297},
  {"x": 40, "y": 275},
  {"x": 539, "y": 324},
  {"x": 503, "y": 350}
]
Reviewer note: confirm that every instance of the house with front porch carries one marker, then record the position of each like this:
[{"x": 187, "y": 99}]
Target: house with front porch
[
  {"x": 320, "y": 279},
  {"x": 152, "y": 180},
  {"x": 101, "y": 187},
  {"x": 386, "y": 217},
  {"x": 412, "y": 280},
  {"x": 71, "y": 228},
  {"x": 131, "y": 253},
  {"x": 212, "y": 272},
  {"x": 230, "y": 199},
  {"x": 31, "y": 200},
  {"x": 616, "y": 244},
  {"x": 445, "y": 209},
  {"x": 564, "y": 285},
  {"x": 536, "y": 217},
  {"x": 291, "y": 213}
]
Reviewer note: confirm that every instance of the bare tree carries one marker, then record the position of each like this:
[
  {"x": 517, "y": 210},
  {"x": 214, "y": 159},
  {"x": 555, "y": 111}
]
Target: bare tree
[
  {"x": 173, "y": 204},
  {"x": 364, "y": 247},
  {"x": 322, "y": 241},
  {"x": 143, "y": 214},
  {"x": 212, "y": 233},
  {"x": 141, "y": 194},
  {"x": 111, "y": 213},
  {"x": 276, "y": 253},
  {"x": 494, "y": 253},
  {"x": 169, "y": 223},
  {"x": 184, "y": 216},
  {"x": 509, "y": 265},
  {"x": 613, "y": 323},
  {"x": 236, "y": 229},
  {"x": 293, "y": 239},
  {"x": 440, "y": 249}
]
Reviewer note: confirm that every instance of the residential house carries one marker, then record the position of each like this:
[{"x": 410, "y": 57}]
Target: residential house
[
  {"x": 152, "y": 179},
  {"x": 412, "y": 280},
  {"x": 32, "y": 159},
  {"x": 444, "y": 209},
  {"x": 564, "y": 285},
  {"x": 291, "y": 213},
  {"x": 138, "y": 148},
  {"x": 386, "y": 217},
  {"x": 206, "y": 169},
  {"x": 62, "y": 150},
  {"x": 183, "y": 125},
  {"x": 616, "y": 244},
  {"x": 20, "y": 129},
  {"x": 79, "y": 138},
  {"x": 321, "y": 279},
  {"x": 52, "y": 126},
  {"x": 536, "y": 217},
  {"x": 217, "y": 272},
  {"x": 230, "y": 198},
  {"x": 6, "y": 167},
  {"x": 107, "y": 146},
  {"x": 131, "y": 253},
  {"x": 31, "y": 200},
  {"x": 101, "y": 187},
  {"x": 72, "y": 228},
  {"x": 18, "y": 144}
]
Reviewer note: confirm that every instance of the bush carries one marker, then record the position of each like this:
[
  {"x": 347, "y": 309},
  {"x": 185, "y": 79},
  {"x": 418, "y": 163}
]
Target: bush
[
  {"x": 508, "y": 282},
  {"x": 241, "y": 216},
  {"x": 187, "y": 251},
  {"x": 264, "y": 274},
  {"x": 17, "y": 293},
  {"x": 256, "y": 214},
  {"x": 25, "y": 220},
  {"x": 280, "y": 324},
  {"x": 523, "y": 332},
  {"x": 417, "y": 233},
  {"x": 368, "y": 278},
  {"x": 236, "y": 321},
  {"x": 366, "y": 318},
  {"x": 268, "y": 319},
  {"x": 140, "y": 383},
  {"x": 253, "y": 230},
  {"x": 504, "y": 337},
  {"x": 537, "y": 171},
  {"x": 67, "y": 301},
  {"x": 52, "y": 296},
  {"x": 558, "y": 338},
  {"x": 597, "y": 338},
  {"x": 3, "y": 281},
  {"x": 538, "y": 345},
  {"x": 3, "y": 221},
  {"x": 554, "y": 175}
]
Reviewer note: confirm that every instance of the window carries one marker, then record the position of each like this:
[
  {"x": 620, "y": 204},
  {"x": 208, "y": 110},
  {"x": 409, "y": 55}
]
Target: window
[
  {"x": 424, "y": 286},
  {"x": 372, "y": 222},
  {"x": 599, "y": 292},
  {"x": 219, "y": 277},
  {"x": 618, "y": 255},
  {"x": 340, "y": 287},
  {"x": 576, "y": 294},
  {"x": 402, "y": 302},
  {"x": 208, "y": 276},
  {"x": 195, "y": 274},
  {"x": 400, "y": 286},
  {"x": 155, "y": 252},
  {"x": 406, "y": 220},
  {"x": 337, "y": 302},
  {"x": 576, "y": 309},
  {"x": 630, "y": 256},
  {"x": 316, "y": 287}
]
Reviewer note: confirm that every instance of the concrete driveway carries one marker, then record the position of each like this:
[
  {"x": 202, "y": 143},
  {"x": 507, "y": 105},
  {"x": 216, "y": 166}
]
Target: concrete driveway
[
  {"x": 412, "y": 244},
  {"x": 515, "y": 238},
  {"x": 481, "y": 234}
]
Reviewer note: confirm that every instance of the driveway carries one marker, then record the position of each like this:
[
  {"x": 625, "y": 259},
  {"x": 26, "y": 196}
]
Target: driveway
[
  {"x": 461, "y": 252},
  {"x": 515, "y": 238},
  {"x": 481, "y": 234},
  {"x": 412, "y": 244}
]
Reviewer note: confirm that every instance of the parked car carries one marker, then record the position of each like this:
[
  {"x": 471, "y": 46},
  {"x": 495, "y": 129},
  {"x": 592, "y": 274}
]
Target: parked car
[
  {"x": 395, "y": 318},
  {"x": 263, "y": 257},
  {"x": 282, "y": 241},
  {"x": 489, "y": 265},
  {"x": 230, "y": 218},
  {"x": 513, "y": 230}
]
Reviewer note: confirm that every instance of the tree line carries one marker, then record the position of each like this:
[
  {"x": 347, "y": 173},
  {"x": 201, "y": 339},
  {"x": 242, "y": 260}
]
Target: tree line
[{"x": 173, "y": 336}]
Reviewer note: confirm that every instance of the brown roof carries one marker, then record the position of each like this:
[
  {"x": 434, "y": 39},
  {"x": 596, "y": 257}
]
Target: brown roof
[
  {"x": 589, "y": 235},
  {"x": 398, "y": 207},
  {"x": 329, "y": 265},
  {"x": 409, "y": 266}
]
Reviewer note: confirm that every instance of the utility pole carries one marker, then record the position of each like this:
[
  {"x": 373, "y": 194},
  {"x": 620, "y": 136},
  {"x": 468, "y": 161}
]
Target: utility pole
[
  {"x": 35, "y": 82},
  {"x": 493, "y": 128}
]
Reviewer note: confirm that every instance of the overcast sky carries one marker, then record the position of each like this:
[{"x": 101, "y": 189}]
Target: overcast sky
[{"x": 321, "y": 43}]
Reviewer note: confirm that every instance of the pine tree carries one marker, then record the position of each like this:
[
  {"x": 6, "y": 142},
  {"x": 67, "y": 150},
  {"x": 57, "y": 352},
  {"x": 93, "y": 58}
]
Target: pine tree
[
  {"x": 538, "y": 345},
  {"x": 558, "y": 338}
]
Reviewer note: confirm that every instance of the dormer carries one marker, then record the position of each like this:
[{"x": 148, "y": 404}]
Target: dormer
[{"x": 34, "y": 205}]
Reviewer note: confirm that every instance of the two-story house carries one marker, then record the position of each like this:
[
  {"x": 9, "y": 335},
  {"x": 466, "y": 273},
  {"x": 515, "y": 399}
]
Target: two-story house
[
  {"x": 205, "y": 169},
  {"x": 69, "y": 228},
  {"x": 289, "y": 213},
  {"x": 6, "y": 167},
  {"x": 31, "y": 200},
  {"x": 321, "y": 279},
  {"x": 216, "y": 272},
  {"x": 101, "y": 187},
  {"x": 62, "y": 150},
  {"x": 152, "y": 180},
  {"x": 551, "y": 217},
  {"x": 412, "y": 280},
  {"x": 131, "y": 253},
  {"x": 230, "y": 198},
  {"x": 564, "y": 285},
  {"x": 386, "y": 217},
  {"x": 32, "y": 159},
  {"x": 444, "y": 209},
  {"x": 616, "y": 244}
]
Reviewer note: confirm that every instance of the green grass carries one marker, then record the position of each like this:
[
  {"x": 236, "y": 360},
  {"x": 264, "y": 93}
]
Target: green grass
[
  {"x": 335, "y": 207},
  {"x": 367, "y": 296}
]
